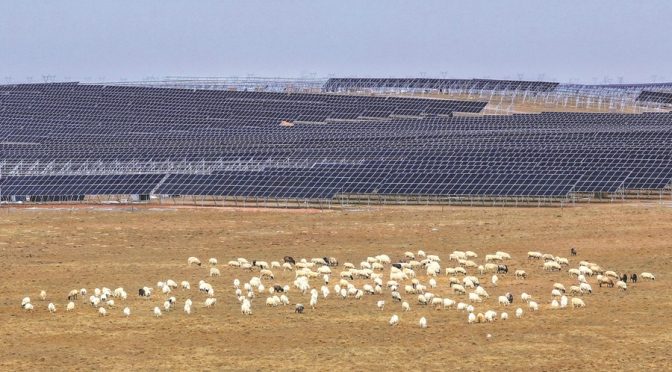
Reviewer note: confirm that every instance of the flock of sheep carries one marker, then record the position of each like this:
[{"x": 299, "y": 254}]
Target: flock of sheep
[{"x": 465, "y": 292}]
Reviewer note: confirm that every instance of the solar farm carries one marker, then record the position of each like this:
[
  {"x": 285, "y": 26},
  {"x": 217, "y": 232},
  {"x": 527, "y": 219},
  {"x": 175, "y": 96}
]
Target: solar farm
[
  {"x": 70, "y": 142},
  {"x": 301, "y": 224}
]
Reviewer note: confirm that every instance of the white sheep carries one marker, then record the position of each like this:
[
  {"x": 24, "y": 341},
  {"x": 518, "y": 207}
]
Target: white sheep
[
  {"x": 102, "y": 311},
  {"x": 51, "y": 307},
  {"x": 26, "y": 300},
  {"x": 471, "y": 318},
  {"x": 187, "y": 308},
  {"x": 525, "y": 297},
  {"x": 210, "y": 302},
  {"x": 481, "y": 292},
  {"x": 563, "y": 302},
  {"x": 555, "y": 304},
  {"x": 504, "y": 316},
  {"x": 447, "y": 303},
  {"x": 266, "y": 274},
  {"x": 28, "y": 306},
  {"x": 494, "y": 280},
  {"x": 577, "y": 302},
  {"x": 520, "y": 274},
  {"x": 519, "y": 313},
  {"x": 157, "y": 311},
  {"x": 380, "y": 304},
  {"x": 212, "y": 261},
  {"x": 394, "y": 320},
  {"x": 405, "y": 306},
  {"x": 193, "y": 261},
  {"x": 70, "y": 307},
  {"x": 43, "y": 295},
  {"x": 556, "y": 293},
  {"x": 214, "y": 271},
  {"x": 646, "y": 275},
  {"x": 246, "y": 307},
  {"x": 474, "y": 297},
  {"x": 423, "y": 322},
  {"x": 533, "y": 306},
  {"x": 621, "y": 284},
  {"x": 586, "y": 288},
  {"x": 127, "y": 312},
  {"x": 503, "y": 300}
]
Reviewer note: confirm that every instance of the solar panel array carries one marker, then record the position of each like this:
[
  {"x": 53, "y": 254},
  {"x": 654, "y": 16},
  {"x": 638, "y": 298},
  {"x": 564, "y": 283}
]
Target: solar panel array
[
  {"x": 347, "y": 84},
  {"x": 72, "y": 140},
  {"x": 655, "y": 97}
]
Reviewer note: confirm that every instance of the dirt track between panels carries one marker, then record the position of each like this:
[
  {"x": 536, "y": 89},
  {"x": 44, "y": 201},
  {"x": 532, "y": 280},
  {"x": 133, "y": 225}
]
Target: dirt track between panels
[{"x": 58, "y": 250}]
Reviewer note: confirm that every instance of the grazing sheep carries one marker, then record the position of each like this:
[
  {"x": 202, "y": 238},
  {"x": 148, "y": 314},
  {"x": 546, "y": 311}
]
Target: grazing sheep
[
  {"x": 127, "y": 312},
  {"x": 210, "y": 302},
  {"x": 394, "y": 320},
  {"x": 502, "y": 269},
  {"x": 574, "y": 289},
  {"x": 43, "y": 295},
  {"x": 605, "y": 280},
  {"x": 289, "y": 260},
  {"x": 534, "y": 255},
  {"x": 563, "y": 302},
  {"x": 519, "y": 313},
  {"x": 586, "y": 288},
  {"x": 494, "y": 280},
  {"x": 458, "y": 289},
  {"x": 633, "y": 278},
  {"x": 275, "y": 265},
  {"x": 621, "y": 284},
  {"x": 51, "y": 307},
  {"x": 185, "y": 285},
  {"x": 556, "y": 293},
  {"x": 533, "y": 305},
  {"x": 214, "y": 271},
  {"x": 284, "y": 300},
  {"x": 504, "y": 316},
  {"x": 193, "y": 261},
  {"x": 503, "y": 300},
  {"x": 647, "y": 275},
  {"x": 577, "y": 302},
  {"x": 552, "y": 266},
  {"x": 474, "y": 297},
  {"x": 525, "y": 297},
  {"x": 233, "y": 264},
  {"x": 246, "y": 307},
  {"x": 212, "y": 261},
  {"x": 555, "y": 304},
  {"x": 520, "y": 274},
  {"x": 611, "y": 274},
  {"x": 471, "y": 318},
  {"x": 572, "y": 252},
  {"x": 71, "y": 306},
  {"x": 157, "y": 311},
  {"x": 396, "y": 296},
  {"x": 559, "y": 287},
  {"x": 299, "y": 309},
  {"x": 102, "y": 311},
  {"x": 266, "y": 274},
  {"x": 423, "y": 322},
  {"x": 481, "y": 292}
]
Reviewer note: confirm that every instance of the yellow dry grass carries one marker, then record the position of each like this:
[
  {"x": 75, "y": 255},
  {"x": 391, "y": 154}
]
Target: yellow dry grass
[{"x": 58, "y": 250}]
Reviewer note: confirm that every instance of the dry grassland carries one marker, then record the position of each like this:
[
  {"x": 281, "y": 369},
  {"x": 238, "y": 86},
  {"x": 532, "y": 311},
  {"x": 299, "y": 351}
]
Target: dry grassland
[{"x": 58, "y": 250}]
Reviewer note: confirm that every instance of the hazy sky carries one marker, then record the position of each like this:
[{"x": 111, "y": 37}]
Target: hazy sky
[{"x": 578, "y": 41}]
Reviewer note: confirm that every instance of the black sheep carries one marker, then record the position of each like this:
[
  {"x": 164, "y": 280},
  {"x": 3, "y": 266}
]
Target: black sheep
[
  {"x": 299, "y": 309},
  {"x": 633, "y": 278},
  {"x": 624, "y": 278},
  {"x": 289, "y": 259}
]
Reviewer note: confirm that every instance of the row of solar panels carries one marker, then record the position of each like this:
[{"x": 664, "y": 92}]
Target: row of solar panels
[
  {"x": 655, "y": 97},
  {"x": 346, "y": 84},
  {"x": 327, "y": 183}
]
